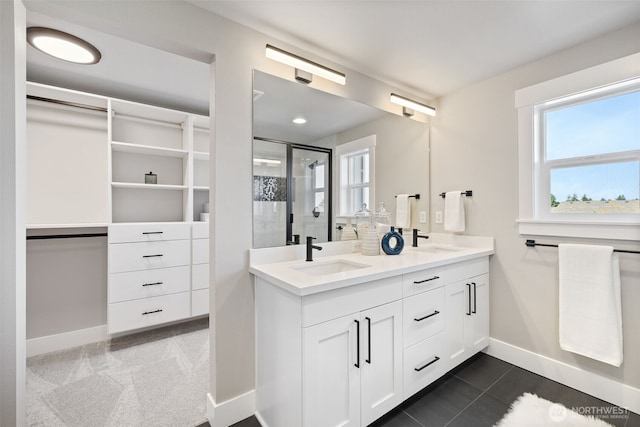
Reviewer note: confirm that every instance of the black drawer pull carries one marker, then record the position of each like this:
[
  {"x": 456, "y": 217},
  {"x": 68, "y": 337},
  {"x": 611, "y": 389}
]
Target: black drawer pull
[
  {"x": 430, "y": 363},
  {"x": 151, "y": 256},
  {"x": 152, "y": 284},
  {"x": 426, "y": 280},
  {"x": 151, "y": 312},
  {"x": 427, "y": 316},
  {"x": 152, "y": 232},
  {"x": 357, "y": 364}
]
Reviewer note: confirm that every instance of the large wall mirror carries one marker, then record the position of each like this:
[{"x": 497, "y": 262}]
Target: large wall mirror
[{"x": 310, "y": 177}]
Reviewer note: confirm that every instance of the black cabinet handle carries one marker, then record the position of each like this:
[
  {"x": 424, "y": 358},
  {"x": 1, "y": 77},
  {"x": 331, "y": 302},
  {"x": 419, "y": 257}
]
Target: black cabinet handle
[
  {"x": 152, "y": 232},
  {"x": 474, "y": 298},
  {"x": 152, "y": 284},
  {"x": 426, "y": 280},
  {"x": 369, "y": 332},
  {"x": 469, "y": 305},
  {"x": 151, "y": 256},
  {"x": 427, "y": 316},
  {"x": 357, "y": 364},
  {"x": 151, "y": 312},
  {"x": 428, "y": 364}
]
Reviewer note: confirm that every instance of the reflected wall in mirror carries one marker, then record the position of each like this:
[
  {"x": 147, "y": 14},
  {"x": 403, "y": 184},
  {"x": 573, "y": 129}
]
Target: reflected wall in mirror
[{"x": 309, "y": 178}]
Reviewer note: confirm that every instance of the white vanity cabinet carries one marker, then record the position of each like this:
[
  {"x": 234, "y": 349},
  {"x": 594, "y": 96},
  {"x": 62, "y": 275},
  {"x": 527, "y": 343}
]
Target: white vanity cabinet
[{"x": 467, "y": 310}]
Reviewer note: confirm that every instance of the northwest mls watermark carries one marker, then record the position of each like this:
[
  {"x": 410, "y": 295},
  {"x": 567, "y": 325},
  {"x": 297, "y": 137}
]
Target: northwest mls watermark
[{"x": 558, "y": 413}]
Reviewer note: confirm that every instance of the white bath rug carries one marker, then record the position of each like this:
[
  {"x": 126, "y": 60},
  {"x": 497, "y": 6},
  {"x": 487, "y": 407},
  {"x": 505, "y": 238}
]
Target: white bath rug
[{"x": 530, "y": 410}]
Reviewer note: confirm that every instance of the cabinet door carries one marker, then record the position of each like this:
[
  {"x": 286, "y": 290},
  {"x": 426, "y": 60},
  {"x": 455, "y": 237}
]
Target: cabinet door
[
  {"x": 477, "y": 330},
  {"x": 381, "y": 354},
  {"x": 331, "y": 372},
  {"x": 458, "y": 310}
]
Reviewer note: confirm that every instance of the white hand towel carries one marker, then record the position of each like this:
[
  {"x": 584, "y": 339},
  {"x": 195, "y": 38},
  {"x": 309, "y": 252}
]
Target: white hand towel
[
  {"x": 453, "y": 211},
  {"x": 590, "y": 303},
  {"x": 403, "y": 211}
]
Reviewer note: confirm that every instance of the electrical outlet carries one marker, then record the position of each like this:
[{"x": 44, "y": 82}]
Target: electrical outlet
[
  {"x": 438, "y": 217},
  {"x": 423, "y": 217}
]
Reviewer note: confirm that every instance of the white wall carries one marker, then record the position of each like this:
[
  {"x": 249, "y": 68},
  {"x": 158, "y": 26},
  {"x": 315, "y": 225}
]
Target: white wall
[
  {"x": 474, "y": 147},
  {"x": 12, "y": 212}
]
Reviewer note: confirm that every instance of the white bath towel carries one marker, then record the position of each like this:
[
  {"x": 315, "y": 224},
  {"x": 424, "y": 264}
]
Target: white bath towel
[
  {"x": 453, "y": 211},
  {"x": 403, "y": 211},
  {"x": 590, "y": 304}
]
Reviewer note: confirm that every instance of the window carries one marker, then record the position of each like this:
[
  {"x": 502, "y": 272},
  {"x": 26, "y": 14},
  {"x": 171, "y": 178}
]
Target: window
[
  {"x": 579, "y": 149},
  {"x": 356, "y": 161},
  {"x": 318, "y": 187}
]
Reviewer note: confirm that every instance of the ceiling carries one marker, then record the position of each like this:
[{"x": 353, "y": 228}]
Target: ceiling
[
  {"x": 430, "y": 47},
  {"x": 427, "y": 47}
]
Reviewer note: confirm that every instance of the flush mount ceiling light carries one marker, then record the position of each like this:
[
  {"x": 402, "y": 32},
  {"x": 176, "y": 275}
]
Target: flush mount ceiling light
[
  {"x": 412, "y": 105},
  {"x": 303, "y": 64},
  {"x": 62, "y": 45},
  {"x": 299, "y": 120}
]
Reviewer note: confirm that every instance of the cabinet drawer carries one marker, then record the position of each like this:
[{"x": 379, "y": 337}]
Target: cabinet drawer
[
  {"x": 424, "y": 363},
  {"x": 423, "y": 315},
  {"x": 466, "y": 269},
  {"x": 148, "y": 255},
  {"x": 200, "y": 230},
  {"x": 148, "y": 232},
  {"x": 128, "y": 315},
  {"x": 200, "y": 276},
  {"x": 421, "y": 281},
  {"x": 200, "y": 302},
  {"x": 148, "y": 283},
  {"x": 200, "y": 251}
]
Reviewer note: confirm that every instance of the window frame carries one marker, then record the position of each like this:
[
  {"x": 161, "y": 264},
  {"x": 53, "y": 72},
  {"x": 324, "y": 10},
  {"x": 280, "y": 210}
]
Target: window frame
[
  {"x": 535, "y": 217},
  {"x": 343, "y": 153}
]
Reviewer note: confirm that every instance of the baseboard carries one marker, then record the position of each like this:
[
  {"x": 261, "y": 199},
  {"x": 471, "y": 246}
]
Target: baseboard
[
  {"x": 596, "y": 385},
  {"x": 231, "y": 411},
  {"x": 49, "y": 343}
]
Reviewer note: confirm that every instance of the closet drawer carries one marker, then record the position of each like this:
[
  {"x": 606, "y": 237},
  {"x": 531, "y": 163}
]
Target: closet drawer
[
  {"x": 200, "y": 276},
  {"x": 148, "y": 255},
  {"x": 200, "y": 230},
  {"x": 423, "y": 315},
  {"x": 200, "y": 251},
  {"x": 148, "y": 283},
  {"x": 424, "y": 363},
  {"x": 128, "y": 315},
  {"x": 466, "y": 269},
  {"x": 200, "y": 302},
  {"x": 148, "y": 232},
  {"x": 423, "y": 280}
]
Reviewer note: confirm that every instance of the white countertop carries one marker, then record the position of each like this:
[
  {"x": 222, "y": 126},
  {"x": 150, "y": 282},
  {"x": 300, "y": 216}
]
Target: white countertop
[{"x": 284, "y": 266}]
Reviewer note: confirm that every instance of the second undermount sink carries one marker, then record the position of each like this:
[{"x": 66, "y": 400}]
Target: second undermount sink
[
  {"x": 438, "y": 249},
  {"x": 320, "y": 268}
]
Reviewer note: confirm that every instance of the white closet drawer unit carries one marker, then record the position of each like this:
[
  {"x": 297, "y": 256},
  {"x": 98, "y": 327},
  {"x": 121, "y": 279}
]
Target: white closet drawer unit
[
  {"x": 200, "y": 302},
  {"x": 148, "y": 232},
  {"x": 423, "y": 315},
  {"x": 200, "y": 276},
  {"x": 200, "y": 230},
  {"x": 200, "y": 251},
  {"x": 148, "y": 283},
  {"x": 466, "y": 269},
  {"x": 148, "y": 255},
  {"x": 423, "y": 280},
  {"x": 128, "y": 315},
  {"x": 424, "y": 363}
]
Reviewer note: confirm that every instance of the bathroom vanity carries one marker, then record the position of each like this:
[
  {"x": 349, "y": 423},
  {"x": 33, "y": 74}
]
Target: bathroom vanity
[{"x": 346, "y": 338}]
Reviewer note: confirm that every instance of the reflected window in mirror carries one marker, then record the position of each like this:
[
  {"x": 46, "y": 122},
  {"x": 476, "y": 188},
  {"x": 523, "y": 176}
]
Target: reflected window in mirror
[{"x": 356, "y": 160}]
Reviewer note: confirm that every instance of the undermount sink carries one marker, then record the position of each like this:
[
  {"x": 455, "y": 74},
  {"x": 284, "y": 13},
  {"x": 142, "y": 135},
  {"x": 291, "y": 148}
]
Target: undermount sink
[
  {"x": 320, "y": 268},
  {"x": 437, "y": 249}
]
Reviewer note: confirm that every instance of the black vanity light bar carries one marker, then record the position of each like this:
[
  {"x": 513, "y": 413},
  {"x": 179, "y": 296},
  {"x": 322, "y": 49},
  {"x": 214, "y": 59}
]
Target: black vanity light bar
[{"x": 304, "y": 64}]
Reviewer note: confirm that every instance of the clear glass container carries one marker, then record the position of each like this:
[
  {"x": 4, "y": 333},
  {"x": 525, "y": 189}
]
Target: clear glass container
[
  {"x": 383, "y": 220},
  {"x": 366, "y": 227}
]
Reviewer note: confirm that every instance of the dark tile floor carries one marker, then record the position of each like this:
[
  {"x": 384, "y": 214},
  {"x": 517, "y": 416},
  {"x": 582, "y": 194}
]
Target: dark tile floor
[{"x": 478, "y": 393}]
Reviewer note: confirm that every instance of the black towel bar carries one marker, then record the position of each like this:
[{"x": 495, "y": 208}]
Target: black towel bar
[
  {"x": 467, "y": 193},
  {"x": 532, "y": 243},
  {"x": 417, "y": 196}
]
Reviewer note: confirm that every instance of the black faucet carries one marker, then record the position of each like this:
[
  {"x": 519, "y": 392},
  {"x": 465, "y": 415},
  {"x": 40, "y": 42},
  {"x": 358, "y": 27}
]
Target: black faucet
[
  {"x": 295, "y": 241},
  {"x": 311, "y": 247},
  {"x": 416, "y": 236}
]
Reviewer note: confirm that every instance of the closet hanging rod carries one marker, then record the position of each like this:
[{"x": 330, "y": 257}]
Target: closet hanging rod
[
  {"x": 532, "y": 243},
  {"x": 179, "y": 125},
  {"x": 67, "y": 103},
  {"x": 417, "y": 196},
  {"x": 65, "y": 236},
  {"x": 467, "y": 193}
]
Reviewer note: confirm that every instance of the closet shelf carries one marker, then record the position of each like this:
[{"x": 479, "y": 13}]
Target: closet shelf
[
  {"x": 200, "y": 188},
  {"x": 146, "y": 149},
  {"x": 134, "y": 185},
  {"x": 200, "y": 155}
]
